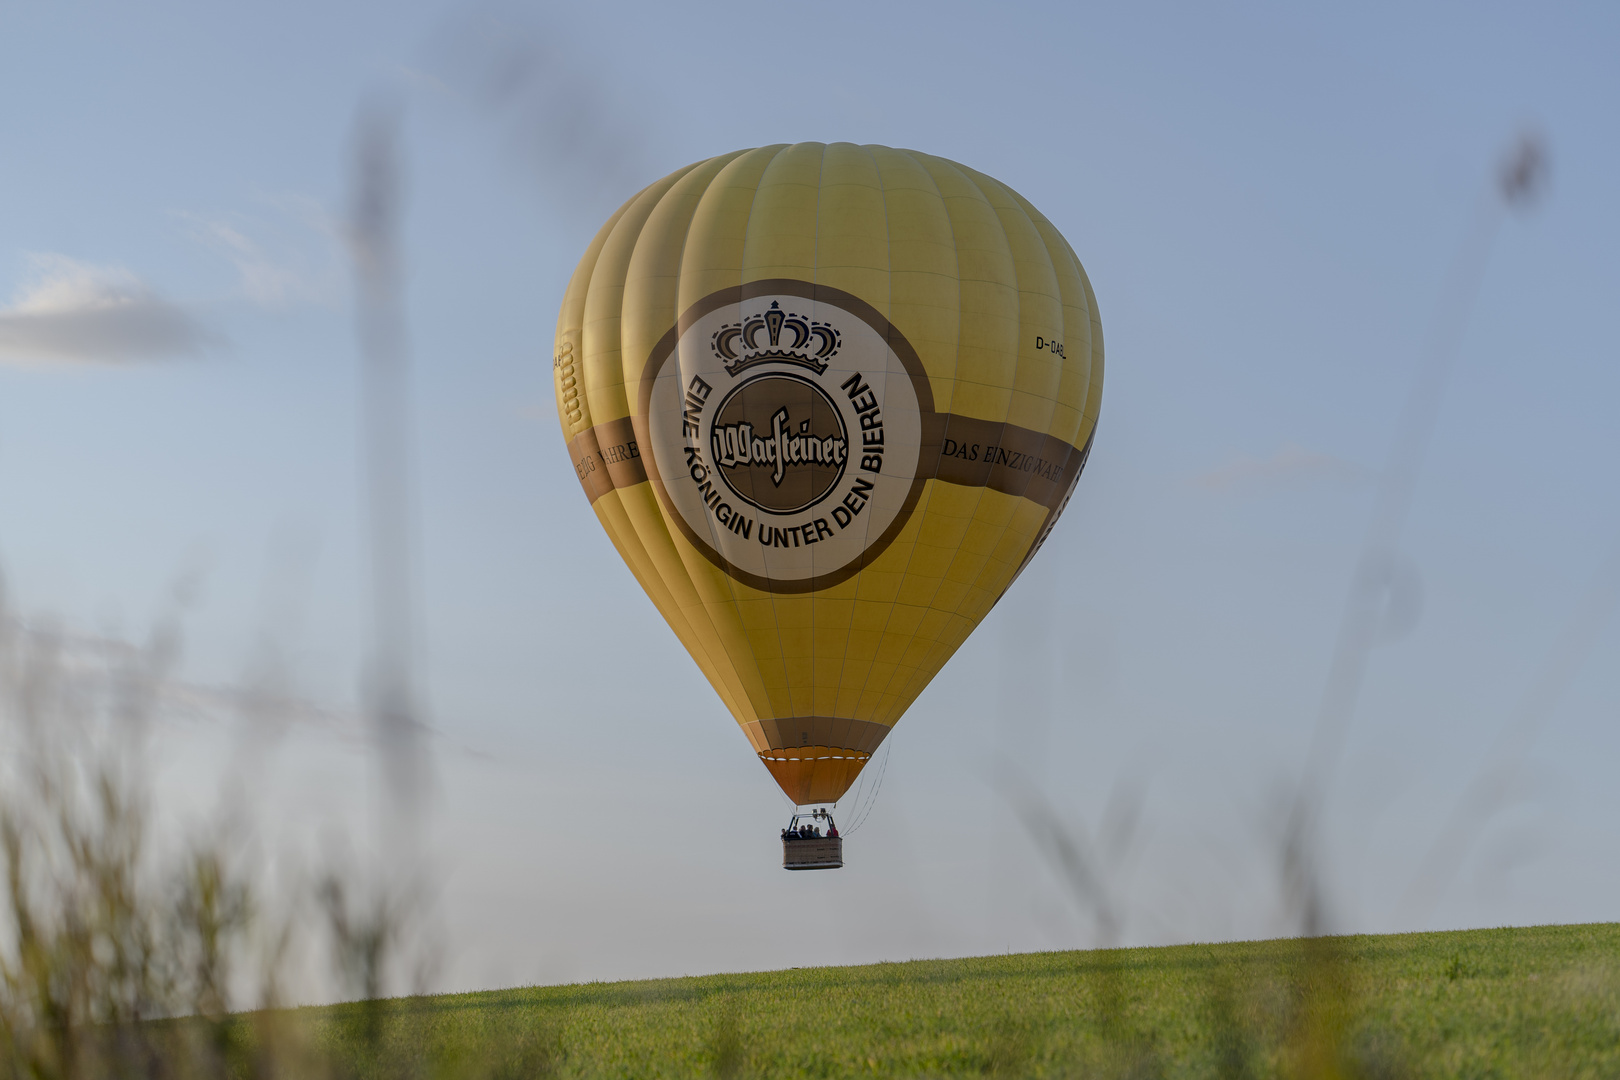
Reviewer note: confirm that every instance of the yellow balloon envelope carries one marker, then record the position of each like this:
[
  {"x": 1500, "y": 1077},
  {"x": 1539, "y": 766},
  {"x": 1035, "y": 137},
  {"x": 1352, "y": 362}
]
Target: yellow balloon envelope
[{"x": 827, "y": 401}]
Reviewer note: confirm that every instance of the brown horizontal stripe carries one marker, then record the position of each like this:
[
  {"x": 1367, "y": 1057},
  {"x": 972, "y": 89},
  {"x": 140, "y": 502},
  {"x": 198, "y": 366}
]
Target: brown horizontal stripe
[
  {"x": 956, "y": 449},
  {"x": 1002, "y": 457},
  {"x": 830, "y": 731},
  {"x": 607, "y": 456}
]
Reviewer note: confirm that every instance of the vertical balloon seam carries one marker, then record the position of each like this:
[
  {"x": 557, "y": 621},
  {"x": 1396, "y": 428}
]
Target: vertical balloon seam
[
  {"x": 1016, "y": 204},
  {"x": 588, "y": 362},
  {"x": 768, "y": 707},
  {"x": 576, "y": 293},
  {"x": 1021, "y": 253},
  {"x": 771, "y": 707},
  {"x": 634, "y": 219},
  {"x": 1092, "y": 413},
  {"x": 1090, "y": 404},
  {"x": 1034, "y": 220},
  {"x": 1082, "y": 434},
  {"x": 748, "y": 706},
  {"x": 881, "y": 694},
  {"x": 916, "y": 676},
  {"x": 741, "y": 715},
  {"x": 720, "y": 658},
  {"x": 590, "y": 280},
  {"x": 837, "y": 693},
  {"x": 1034, "y": 255},
  {"x": 1082, "y": 307},
  {"x": 629, "y": 226},
  {"x": 920, "y": 513},
  {"x": 641, "y": 568},
  {"x": 1093, "y": 410},
  {"x": 890, "y": 713},
  {"x": 1052, "y": 235},
  {"x": 923, "y": 675},
  {"x": 904, "y": 677},
  {"x": 776, "y": 614},
  {"x": 756, "y": 709},
  {"x": 809, "y": 709},
  {"x": 617, "y": 285},
  {"x": 1093, "y": 389},
  {"x": 851, "y": 692},
  {"x": 1055, "y": 240},
  {"x": 1055, "y": 386},
  {"x": 1040, "y": 245},
  {"x": 816, "y": 602},
  {"x": 637, "y": 559},
  {"x": 708, "y": 637},
  {"x": 1018, "y": 269},
  {"x": 883, "y": 199},
  {"x": 676, "y": 614},
  {"x": 811, "y": 599},
  {"x": 932, "y": 659},
  {"x": 1042, "y": 528}
]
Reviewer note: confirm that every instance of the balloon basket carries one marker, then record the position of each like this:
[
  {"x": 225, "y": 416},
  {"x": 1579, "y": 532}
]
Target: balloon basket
[
  {"x": 824, "y": 854},
  {"x": 805, "y": 847}
]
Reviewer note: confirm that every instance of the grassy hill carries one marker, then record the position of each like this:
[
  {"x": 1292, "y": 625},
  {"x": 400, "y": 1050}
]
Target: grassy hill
[{"x": 1534, "y": 1002}]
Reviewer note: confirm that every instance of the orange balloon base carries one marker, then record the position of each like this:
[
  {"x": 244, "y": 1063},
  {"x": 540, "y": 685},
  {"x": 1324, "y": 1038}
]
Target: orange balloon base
[{"x": 815, "y": 774}]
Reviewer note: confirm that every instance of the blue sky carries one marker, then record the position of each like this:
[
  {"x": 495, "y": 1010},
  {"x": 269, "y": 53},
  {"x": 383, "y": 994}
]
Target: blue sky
[{"x": 1267, "y": 199}]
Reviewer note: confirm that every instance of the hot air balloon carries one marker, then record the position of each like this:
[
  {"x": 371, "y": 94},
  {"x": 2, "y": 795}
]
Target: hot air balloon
[{"x": 827, "y": 401}]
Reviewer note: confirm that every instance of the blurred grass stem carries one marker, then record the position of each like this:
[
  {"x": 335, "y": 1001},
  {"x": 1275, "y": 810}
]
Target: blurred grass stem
[
  {"x": 1382, "y": 598},
  {"x": 391, "y": 689}
]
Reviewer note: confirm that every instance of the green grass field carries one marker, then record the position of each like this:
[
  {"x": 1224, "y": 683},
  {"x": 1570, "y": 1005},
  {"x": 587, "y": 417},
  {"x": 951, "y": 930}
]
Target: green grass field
[{"x": 1535, "y": 1002}]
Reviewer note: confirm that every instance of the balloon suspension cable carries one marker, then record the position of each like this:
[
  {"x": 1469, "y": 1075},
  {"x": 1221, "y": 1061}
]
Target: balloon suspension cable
[
  {"x": 855, "y": 794},
  {"x": 865, "y": 811},
  {"x": 860, "y": 789}
]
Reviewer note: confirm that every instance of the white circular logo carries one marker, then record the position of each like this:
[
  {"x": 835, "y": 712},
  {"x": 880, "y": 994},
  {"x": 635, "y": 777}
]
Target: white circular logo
[{"x": 785, "y": 430}]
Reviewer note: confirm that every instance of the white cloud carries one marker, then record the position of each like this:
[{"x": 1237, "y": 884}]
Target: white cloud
[
  {"x": 263, "y": 281},
  {"x": 297, "y": 265},
  {"x": 1291, "y": 465},
  {"x": 78, "y": 313}
]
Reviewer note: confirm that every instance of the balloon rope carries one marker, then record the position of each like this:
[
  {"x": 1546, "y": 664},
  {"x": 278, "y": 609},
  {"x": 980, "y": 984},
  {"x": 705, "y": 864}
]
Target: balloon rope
[
  {"x": 855, "y": 799},
  {"x": 866, "y": 811}
]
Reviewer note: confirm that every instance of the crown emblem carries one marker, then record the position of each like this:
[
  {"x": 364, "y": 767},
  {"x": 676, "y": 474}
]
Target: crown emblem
[{"x": 739, "y": 346}]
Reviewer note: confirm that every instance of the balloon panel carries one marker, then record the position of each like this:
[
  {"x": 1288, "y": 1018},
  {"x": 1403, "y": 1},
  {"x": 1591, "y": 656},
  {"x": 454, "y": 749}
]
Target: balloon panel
[{"x": 827, "y": 401}]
